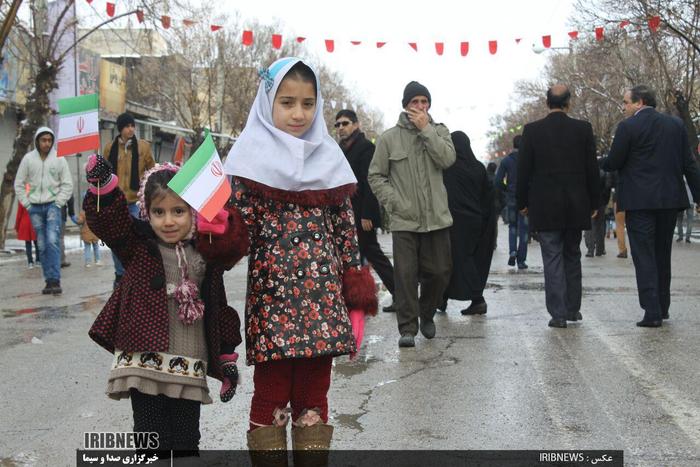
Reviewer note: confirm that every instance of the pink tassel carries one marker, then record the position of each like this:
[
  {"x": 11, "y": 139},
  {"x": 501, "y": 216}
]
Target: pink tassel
[{"x": 190, "y": 306}]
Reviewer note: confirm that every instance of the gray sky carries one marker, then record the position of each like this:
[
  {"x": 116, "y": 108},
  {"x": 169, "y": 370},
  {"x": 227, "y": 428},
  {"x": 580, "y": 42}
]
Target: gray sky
[{"x": 466, "y": 91}]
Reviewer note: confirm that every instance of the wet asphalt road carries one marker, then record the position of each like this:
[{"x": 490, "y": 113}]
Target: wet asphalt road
[{"x": 501, "y": 381}]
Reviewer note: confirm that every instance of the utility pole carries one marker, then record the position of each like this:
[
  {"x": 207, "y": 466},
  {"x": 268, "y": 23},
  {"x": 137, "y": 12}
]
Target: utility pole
[{"x": 7, "y": 24}]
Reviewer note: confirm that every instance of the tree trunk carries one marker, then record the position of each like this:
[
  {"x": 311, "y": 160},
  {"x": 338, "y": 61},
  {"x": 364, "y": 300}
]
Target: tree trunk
[
  {"x": 684, "y": 112},
  {"x": 37, "y": 111}
]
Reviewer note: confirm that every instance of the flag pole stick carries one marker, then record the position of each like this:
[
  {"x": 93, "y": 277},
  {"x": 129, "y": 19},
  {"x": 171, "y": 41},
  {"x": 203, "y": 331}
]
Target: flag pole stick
[{"x": 98, "y": 196}]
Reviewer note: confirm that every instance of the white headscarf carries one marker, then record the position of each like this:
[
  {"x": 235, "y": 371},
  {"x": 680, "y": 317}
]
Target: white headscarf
[{"x": 279, "y": 160}]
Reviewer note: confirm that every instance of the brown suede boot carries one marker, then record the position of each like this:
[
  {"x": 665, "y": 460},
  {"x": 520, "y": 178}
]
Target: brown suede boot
[
  {"x": 311, "y": 444},
  {"x": 268, "y": 446}
]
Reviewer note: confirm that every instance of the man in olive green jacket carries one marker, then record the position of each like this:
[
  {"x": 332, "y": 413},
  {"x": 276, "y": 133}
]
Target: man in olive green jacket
[{"x": 406, "y": 177}]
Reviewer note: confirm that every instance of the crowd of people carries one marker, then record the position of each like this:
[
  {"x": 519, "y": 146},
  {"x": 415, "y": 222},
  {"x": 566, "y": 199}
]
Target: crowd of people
[{"x": 305, "y": 210}]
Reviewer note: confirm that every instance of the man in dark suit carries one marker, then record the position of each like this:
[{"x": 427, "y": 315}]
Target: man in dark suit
[
  {"x": 558, "y": 189},
  {"x": 652, "y": 154},
  {"x": 359, "y": 151}
]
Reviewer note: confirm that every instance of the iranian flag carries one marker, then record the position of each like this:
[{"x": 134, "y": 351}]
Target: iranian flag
[
  {"x": 201, "y": 181},
  {"x": 78, "y": 128}
]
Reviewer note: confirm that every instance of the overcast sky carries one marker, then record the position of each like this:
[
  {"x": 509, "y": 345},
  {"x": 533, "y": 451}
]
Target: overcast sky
[{"x": 466, "y": 91}]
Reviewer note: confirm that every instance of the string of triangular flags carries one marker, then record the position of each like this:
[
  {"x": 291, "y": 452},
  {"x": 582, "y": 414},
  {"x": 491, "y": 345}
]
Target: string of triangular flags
[{"x": 247, "y": 39}]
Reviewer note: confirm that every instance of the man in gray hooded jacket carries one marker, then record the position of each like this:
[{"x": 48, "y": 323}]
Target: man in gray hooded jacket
[
  {"x": 406, "y": 177},
  {"x": 43, "y": 185}
]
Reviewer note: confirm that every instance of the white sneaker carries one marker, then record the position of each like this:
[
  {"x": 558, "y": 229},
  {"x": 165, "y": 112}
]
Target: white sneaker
[
  {"x": 88, "y": 265},
  {"x": 98, "y": 263},
  {"x": 30, "y": 265}
]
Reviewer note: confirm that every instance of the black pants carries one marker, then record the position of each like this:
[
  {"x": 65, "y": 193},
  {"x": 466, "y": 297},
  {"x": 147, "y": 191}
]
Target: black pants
[
  {"x": 561, "y": 258},
  {"x": 175, "y": 420},
  {"x": 651, "y": 237},
  {"x": 370, "y": 250},
  {"x": 423, "y": 258},
  {"x": 595, "y": 238}
]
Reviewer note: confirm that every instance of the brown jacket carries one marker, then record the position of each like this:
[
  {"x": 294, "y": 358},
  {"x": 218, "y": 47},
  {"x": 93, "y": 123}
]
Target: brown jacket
[
  {"x": 86, "y": 234},
  {"x": 124, "y": 165}
]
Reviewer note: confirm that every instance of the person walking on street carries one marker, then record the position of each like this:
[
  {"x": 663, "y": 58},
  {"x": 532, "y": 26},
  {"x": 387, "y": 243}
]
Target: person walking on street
[
  {"x": 558, "y": 188},
  {"x": 50, "y": 186},
  {"x": 650, "y": 151},
  {"x": 359, "y": 151},
  {"x": 470, "y": 197},
  {"x": 26, "y": 233},
  {"x": 595, "y": 237},
  {"x": 130, "y": 157},
  {"x": 689, "y": 216},
  {"x": 91, "y": 244},
  {"x": 68, "y": 210},
  {"x": 406, "y": 175},
  {"x": 518, "y": 229}
]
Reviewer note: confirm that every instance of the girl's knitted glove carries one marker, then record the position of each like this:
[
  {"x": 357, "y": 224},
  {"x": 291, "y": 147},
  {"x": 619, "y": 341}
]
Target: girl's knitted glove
[
  {"x": 230, "y": 372},
  {"x": 99, "y": 175},
  {"x": 357, "y": 319},
  {"x": 217, "y": 226}
]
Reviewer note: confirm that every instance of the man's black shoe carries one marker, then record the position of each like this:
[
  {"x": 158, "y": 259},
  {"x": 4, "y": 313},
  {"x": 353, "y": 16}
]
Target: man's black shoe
[
  {"x": 389, "y": 309},
  {"x": 679, "y": 239},
  {"x": 511, "y": 261},
  {"x": 575, "y": 316},
  {"x": 442, "y": 307},
  {"x": 522, "y": 265},
  {"x": 427, "y": 328},
  {"x": 589, "y": 254},
  {"x": 407, "y": 340},
  {"x": 56, "y": 290},
  {"x": 475, "y": 309},
  {"x": 557, "y": 323},
  {"x": 622, "y": 255},
  {"x": 649, "y": 324},
  {"x": 65, "y": 264},
  {"x": 48, "y": 289}
]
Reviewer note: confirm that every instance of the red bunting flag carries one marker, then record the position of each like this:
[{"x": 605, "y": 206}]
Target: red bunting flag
[
  {"x": 330, "y": 45},
  {"x": 439, "y": 47},
  {"x": 380, "y": 44},
  {"x": 301, "y": 39},
  {"x": 464, "y": 48},
  {"x": 110, "y": 9},
  {"x": 414, "y": 45},
  {"x": 89, "y": 1},
  {"x": 188, "y": 22},
  {"x": 356, "y": 42},
  {"x": 517, "y": 40},
  {"x": 165, "y": 21},
  {"x": 547, "y": 41},
  {"x": 215, "y": 27},
  {"x": 654, "y": 23},
  {"x": 573, "y": 35},
  {"x": 247, "y": 37},
  {"x": 624, "y": 24},
  {"x": 599, "y": 33},
  {"x": 493, "y": 47},
  {"x": 140, "y": 16},
  {"x": 277, "y": 41}
]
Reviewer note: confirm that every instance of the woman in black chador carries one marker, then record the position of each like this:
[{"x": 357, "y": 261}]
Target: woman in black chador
[{"x": 470, "y": 198}]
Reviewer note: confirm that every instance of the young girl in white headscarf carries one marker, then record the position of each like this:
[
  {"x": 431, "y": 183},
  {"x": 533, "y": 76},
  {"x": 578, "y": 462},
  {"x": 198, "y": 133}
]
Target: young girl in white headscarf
[{"x": 292, "y": 185}]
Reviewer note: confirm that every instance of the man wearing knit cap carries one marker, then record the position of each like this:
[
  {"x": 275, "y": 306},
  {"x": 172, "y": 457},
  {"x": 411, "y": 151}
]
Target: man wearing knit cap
[
  {"x": 130, "y": 158},
  {"x": 406, "y": 176}
]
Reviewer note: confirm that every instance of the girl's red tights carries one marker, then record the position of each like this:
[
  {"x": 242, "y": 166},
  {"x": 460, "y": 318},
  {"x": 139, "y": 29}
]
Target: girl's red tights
[{"x": 303, "y": 382}]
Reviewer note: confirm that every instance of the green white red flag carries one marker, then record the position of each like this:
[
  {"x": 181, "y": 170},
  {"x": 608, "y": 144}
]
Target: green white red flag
[
  {"x": 201, "y": 181},
  {"x": 78, "y": 127}
]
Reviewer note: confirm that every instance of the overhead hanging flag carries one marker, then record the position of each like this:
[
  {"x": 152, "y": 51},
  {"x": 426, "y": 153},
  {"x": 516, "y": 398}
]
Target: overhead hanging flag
[
  {"x": 330, "y": 45},
  {"x": 464, "y": 48},
  {"x": 201, "y": 182},
  {"x": 247, "y": 37},
  {"x": 78, "y": 127},
  {"x": 277, "y": 41},
  {"x": 439, "y": 47},
  {"x": 110, "y": 9},
  {"x": 493, "y": 47}
]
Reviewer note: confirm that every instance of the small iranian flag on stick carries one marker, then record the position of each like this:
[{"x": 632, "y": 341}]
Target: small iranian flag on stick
[
  {"x": 201, "y": 181},
  {"x": 78, "y": 127}
]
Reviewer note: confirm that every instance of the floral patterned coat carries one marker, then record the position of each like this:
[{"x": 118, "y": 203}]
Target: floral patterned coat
[{"x": 304, "y": 272}]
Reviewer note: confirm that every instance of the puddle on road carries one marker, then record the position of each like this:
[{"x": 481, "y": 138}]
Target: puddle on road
[
  {"x": 53, "y": 312},
  {"x": 355, "y": 367},
  {"x": 349, "y": 421}
]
